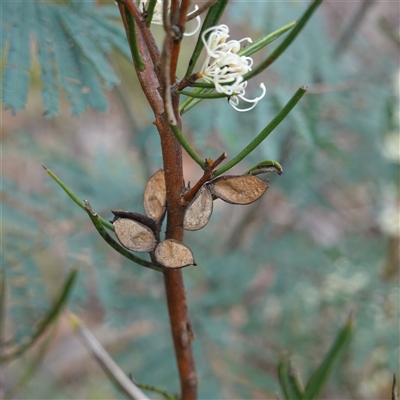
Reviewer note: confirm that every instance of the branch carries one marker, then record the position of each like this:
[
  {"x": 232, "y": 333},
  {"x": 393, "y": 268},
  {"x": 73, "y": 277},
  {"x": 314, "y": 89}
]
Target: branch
[{"x": 204, "y": 7}]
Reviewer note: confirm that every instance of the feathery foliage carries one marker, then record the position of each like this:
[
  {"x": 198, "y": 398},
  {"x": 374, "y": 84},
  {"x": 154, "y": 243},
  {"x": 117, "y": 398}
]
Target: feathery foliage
[{"x": 72, "y": 41}]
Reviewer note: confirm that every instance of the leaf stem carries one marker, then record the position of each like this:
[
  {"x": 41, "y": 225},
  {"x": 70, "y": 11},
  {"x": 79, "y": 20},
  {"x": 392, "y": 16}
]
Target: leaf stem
[
  {"x": 185, "y": 144},
  {"x": 75, "y": 198},
  {"x": 132, "y": 41},
  {"x": 265, "y": 132}
]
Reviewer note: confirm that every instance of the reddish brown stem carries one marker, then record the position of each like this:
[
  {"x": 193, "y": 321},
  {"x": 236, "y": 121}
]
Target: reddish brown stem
[
  {"x": 208, "y": 173},
  {"x": 172, "y": 159}
]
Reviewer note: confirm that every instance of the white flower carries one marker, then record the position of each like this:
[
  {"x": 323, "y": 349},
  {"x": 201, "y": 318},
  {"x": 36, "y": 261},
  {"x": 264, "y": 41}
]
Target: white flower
[
  {"x": 158, "y": 15},
  {"x": 224, "y": 68}
]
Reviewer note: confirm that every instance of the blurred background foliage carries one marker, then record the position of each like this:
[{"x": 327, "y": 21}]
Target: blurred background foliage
[{"x": 283, "y": 273}]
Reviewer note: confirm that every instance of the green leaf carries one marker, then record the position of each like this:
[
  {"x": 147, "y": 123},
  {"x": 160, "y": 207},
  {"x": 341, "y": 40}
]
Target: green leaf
[
  {"x": 16, "y": 76},
  {"x": 265, "y": 40},
  {"x": 265, "y": 132},
  {"x": 48, "y": 319},
  {"x": 318, "y": 379},
  {"x": 289, "y": 381}
]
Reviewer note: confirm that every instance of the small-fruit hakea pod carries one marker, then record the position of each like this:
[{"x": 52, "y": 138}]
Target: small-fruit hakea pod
[
  {"x": 155, "y": 196},
  {"x": 199, "y": 211},
  {"x": 242, "y": 189},
  {"x": 172, "y": 253},
  {"x": 134, "y": 235}
]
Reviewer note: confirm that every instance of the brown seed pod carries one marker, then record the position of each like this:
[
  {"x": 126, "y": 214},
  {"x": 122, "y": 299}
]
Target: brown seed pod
[
  {"x": 134, "y": 236},
  {"x": 199, "y": 211},
  {"x": 242, "y": 189},
  {"x": 155, "y": 196},
  {"x": 172, "y": 253}
]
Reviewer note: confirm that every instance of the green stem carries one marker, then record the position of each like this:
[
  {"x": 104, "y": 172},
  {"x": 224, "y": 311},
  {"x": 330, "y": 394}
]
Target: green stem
[
  {"x": 113, "y": 243},
  {"x": 265, "y": 132},
  {"x": 264, "y": 41},
  {"x": 286, "y": 43},
  {"x": 132, "y": 40},
  {"x": 150, "y": 11},
  {"x": 185, "y": 144},
  {"x": 189, "y": 102},
  {"x": 154, "y": 389},
  {"x": 75, "y": 198},
  {"x": 202, "y": 95}
]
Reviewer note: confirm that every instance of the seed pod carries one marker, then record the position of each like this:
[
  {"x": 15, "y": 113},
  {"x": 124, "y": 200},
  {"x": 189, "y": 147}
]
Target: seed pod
[
  {"x": 238, "y": 189},
  {"x": 199, "y": 211},
  {"x": 134, "y": 236},
  {"x": 155, "y": 196},
  {"x": 173, "y": 254}
]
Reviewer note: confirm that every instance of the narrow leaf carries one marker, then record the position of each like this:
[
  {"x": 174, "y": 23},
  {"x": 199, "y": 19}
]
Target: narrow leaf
[
  {"x": 287, "y": 41},
  {"x": 265, "y": 40},
  {"x": 265, "y": 132},
  {"x": 75, "y": 198},
  {"x": 265, "y": 166},
  {"x": 48, "y": 319},
  {"x": 318, "y": 379},
  {"x": 290, "y": 387}
]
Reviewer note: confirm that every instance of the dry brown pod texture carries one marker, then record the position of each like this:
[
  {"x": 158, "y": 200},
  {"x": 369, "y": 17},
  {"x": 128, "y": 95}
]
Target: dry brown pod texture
[
  {"x": 199, "y": 211},
  {"x": 134, "y": 236},
  {"x": 155, "y": 196},
  {"x": 242, "y": 189},
  {"x": 172, "y": 253}
]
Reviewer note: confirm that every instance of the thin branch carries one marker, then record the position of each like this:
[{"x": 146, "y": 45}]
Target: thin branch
[
  {"x": 166, "y": 67},
  {"x": 105, "y": 360},
  {"x": 209, "y": 168},
  {"x": 186, "y": 145},
  {"x": 204, "y": 7}
]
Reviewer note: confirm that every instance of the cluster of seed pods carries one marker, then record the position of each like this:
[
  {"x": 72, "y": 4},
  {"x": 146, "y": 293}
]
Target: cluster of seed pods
[{"x": 141, "y": 233}]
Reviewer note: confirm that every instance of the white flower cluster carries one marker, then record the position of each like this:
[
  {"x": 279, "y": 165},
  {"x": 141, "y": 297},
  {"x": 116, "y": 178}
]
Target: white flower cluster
[
  {"x": 158, "y": 15},
  {"x": 224, "y": 68}
]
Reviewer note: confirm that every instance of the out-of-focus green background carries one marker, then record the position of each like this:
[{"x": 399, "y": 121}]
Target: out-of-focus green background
[{"x": 281, "y": 274}]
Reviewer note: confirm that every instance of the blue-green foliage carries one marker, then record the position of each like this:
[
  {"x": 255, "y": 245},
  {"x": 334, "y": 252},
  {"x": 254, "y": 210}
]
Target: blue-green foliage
[{"x": 72, "y": 42}]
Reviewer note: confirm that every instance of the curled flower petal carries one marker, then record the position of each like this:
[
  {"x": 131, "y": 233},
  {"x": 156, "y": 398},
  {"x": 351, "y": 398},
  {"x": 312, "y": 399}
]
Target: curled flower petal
[
  {"x": 224, "y": 68},
  {"x": 234, "y": 100},
  {"x": 158, "y": 15}
]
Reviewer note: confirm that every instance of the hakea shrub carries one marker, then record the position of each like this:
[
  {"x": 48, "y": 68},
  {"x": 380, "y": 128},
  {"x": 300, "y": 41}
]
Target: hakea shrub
[{"x": 224, "y": 73}]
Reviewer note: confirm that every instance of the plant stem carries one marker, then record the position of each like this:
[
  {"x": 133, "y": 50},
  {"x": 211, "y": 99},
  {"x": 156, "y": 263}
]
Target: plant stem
[{"x": 172, "y": 160}]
